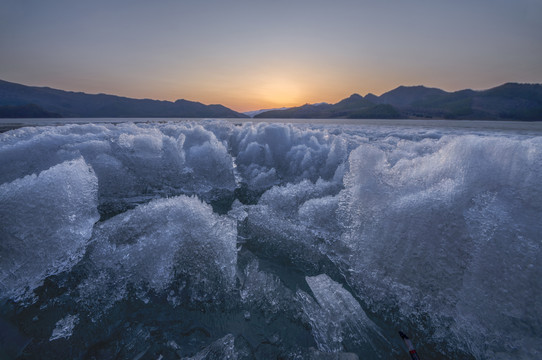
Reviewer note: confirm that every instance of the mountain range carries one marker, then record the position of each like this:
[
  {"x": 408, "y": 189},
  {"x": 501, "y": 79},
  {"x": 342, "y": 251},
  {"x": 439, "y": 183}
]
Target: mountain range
[
  {"x": 510, "y": 101},
  {"x": 18, "y": 100}
]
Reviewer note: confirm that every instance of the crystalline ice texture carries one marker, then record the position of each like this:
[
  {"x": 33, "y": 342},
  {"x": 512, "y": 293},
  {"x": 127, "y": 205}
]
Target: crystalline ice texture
[
  {"x": 285, "y": 233},
  {"x": 221, "y": 349},
  {"x": 267, "y": 153},
  {"x": 46, "y": 221},
  {"x": 336, "y": 317},
  {"x": 149, "y": 246},
  {"x": 264, "y": 291},
  {"x": 64, "y": 327},
  {"x": 452, "y": 233}
]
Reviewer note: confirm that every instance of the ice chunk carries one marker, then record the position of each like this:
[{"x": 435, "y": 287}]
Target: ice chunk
[
  {"x": 211, "y": 162},
  {"x": 177, "y": 238},
  {"x": 144, "y": 163},
  {"x": 46, "y": 221},
  {"x": 225, "y": 348},
  {"x": 134, "y": 163},
  {"x": 320, "y": 215},
  {"x": 128, "y": 167},
  {"x": 238, "y": 211},
  {"x": 270, "y": 153},
  {"x": 336, "y": 318},
  {"x": 64, "y": 327},
  {"x": 31, "y": 150},
  {"x": 503, "y": 272},
  {"x": 264, "y": 291},
  {"x": 280, "y": 230},
  {"x": 450, "y": 233},
  {"x": 287, "y": 199},
  {"x": 279, "y": 238}
]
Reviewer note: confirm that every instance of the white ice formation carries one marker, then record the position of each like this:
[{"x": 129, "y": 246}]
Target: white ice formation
[
  {"x": 437, "y": 230},
  {"x": 149, "y": 247},
  {"x": 46, "y": 220}
]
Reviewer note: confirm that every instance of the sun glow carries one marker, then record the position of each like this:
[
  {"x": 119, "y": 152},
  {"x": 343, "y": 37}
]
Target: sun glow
[{"x": 280, "y": 91}]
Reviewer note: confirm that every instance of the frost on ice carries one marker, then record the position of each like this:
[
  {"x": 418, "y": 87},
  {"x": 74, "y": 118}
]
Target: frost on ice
[
  {"x": 336, "y": 318},
  {"x": 46, "y": 220},
  {"x": 64, "y": 327},
  {"x": 178, "y": 240},
  {"x": 453, "y": 233},
  {"x": 245, "y": 226}
]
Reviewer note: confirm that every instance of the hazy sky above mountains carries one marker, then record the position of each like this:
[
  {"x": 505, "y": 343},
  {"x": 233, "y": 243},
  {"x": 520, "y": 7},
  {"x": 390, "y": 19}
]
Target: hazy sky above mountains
[{"x": 251, "y": 54}]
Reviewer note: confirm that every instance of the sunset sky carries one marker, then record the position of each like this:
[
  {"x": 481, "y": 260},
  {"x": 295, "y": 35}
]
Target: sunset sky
[{"x": 252, "y": 54}]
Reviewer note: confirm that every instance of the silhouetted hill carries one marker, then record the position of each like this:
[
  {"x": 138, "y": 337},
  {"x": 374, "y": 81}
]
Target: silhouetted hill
[
  {"x": 78, "y": 104},
  {"x": 510, "y": 101},
  {"x": 306, "y": 111},
  {"x": 404, "y": 96},
  {"x": 372, "y": 98},
  {"x": 380, "y": 111},
  {"x": 25, "y": 111},
  {"x": 355, "y": 106}
]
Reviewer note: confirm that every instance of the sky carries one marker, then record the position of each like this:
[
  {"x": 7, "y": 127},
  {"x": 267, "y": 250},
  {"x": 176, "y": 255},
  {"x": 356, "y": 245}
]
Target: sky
[{"x": 254, "y": 54}]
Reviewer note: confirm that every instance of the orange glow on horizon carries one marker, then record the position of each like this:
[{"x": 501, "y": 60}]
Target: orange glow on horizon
[{"x": 279, "y": 92}]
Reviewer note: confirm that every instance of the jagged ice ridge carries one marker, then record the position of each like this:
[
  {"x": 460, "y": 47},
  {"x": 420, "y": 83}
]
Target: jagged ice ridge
[{"x": 209, "y": 239}]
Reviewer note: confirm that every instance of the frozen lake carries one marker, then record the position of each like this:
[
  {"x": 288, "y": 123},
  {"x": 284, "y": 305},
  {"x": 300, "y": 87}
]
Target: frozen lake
[
  {"x": 522, "y": 126},
  {"x": 298, "y": 239}
]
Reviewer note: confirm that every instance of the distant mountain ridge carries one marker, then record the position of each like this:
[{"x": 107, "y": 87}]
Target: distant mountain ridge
[
  {"x": 510, "y": 101},
  {"x": 25, "y": 111},
  {"x": 32, "y": 101},
  {"x": 353, "y": 107},
  {"x": 253, "y": 113}
]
